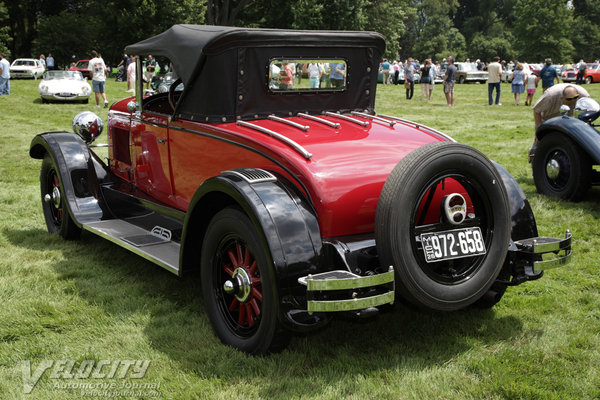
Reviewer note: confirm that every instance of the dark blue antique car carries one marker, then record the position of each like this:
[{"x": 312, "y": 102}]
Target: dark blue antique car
[{"x": 567, "y": 149}]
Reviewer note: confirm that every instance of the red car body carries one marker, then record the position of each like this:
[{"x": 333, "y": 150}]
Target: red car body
[
  {"x": 294, "y": 200},
  {"x": 82, "y": 66}
]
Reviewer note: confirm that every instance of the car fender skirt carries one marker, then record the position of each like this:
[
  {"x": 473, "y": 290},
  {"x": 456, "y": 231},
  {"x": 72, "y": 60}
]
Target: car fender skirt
[
  {"x": 582, "y": 133},
  {"x": 287, "y": 222},
  {"x": 78, "y": 172}
]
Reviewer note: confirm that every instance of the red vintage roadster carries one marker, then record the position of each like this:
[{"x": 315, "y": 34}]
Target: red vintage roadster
[{"x": 270, "y": 172}]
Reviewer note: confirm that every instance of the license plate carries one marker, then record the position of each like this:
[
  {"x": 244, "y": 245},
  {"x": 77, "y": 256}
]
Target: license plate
[{"x": 449, "y": 245}]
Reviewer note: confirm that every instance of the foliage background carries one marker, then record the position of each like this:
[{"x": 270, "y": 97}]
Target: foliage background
[{"x": 530, "y": 30}]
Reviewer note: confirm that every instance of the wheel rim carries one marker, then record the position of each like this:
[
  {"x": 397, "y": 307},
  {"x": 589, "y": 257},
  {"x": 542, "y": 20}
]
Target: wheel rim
[
  {"x": 237, "y": 286},
  {"x": 480, "y": 214},
  {"x": 53, "y": 197},
  {"x": 557, "y": 169}
]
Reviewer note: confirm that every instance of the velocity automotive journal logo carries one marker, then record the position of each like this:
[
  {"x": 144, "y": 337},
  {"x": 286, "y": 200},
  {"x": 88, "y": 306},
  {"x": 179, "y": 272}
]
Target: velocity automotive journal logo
[{"x": 72, "y": 373}]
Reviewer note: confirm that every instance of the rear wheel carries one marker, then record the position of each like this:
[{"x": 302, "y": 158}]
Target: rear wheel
[
  {"x": 561, "y": 168},
  {"x": 238, "y": 285},
  {"x": 461, "y": 80},
  {"x": 420, "y": 212},
  {"x": 588, "y": 80},
  {"x": 56, "y": 214}
]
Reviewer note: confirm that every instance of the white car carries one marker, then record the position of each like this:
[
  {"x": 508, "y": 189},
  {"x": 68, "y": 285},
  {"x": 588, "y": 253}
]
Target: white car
[
  {"x": 26, "y": 68},
  {"x": 64, "y": 86}
]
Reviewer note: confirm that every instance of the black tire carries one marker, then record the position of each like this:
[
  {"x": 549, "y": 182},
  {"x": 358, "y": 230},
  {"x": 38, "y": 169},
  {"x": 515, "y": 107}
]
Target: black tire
[
  {"x": 250, "y": 324},
  {"x": 561, "y": 168},
  {"x": 461, "y": 80},
  {"x": 399, "y": 222},
  {"x": 57, "y": 216},
  {"x": 588, "y": 80}
]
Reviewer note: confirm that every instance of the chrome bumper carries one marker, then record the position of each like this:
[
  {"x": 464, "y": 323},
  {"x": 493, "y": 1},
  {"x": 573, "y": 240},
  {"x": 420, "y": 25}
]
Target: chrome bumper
[
  {"x": 541, "y": 246},
  {"x": 344, "y": 291}
]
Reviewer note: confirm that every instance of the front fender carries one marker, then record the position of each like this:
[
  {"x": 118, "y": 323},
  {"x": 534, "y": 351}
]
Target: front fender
[
  {"x": 580, "y": 132},
  {"x": 78, "y": 172}
]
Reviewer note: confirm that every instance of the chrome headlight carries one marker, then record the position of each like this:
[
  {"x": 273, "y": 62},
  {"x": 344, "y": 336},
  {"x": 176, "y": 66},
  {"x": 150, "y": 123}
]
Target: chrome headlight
[
  {"x": 43, "y": 88},
  {"x": 87, "y": 125},
  {"x": 85, "y": 89},
  {"x": 585, "y": 105}
]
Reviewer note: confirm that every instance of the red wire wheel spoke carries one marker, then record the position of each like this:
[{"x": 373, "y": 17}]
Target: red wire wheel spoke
[{"x": 244, "y": 315}]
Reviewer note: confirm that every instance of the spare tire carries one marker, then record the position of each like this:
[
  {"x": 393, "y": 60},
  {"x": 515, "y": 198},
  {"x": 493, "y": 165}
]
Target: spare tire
[{"x": 423, "y": 235}]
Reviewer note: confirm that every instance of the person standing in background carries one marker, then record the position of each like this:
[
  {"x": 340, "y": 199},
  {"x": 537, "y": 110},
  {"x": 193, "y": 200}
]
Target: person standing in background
[
  {"x": 518, "y": 80},
  {"x": 98, "y": 69},
  {"x": 50, "y": 62},
  {"x": 4, "y": 75},
  {"x": 494, "y": 78},
  {"x": 547, "y": 75},
  {"x": 409, "y": 78},
  {"x": 449, "y": 79}
]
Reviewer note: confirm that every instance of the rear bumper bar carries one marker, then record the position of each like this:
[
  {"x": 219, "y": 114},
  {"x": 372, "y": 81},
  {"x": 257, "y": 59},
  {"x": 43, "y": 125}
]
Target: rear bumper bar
[
  {"x": 341, "y": 290},
  {"x": 540, "y": 246}
]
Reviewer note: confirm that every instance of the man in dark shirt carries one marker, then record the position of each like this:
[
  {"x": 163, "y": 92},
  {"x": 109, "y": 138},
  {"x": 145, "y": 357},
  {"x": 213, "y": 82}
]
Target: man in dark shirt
[
  {"x": 547, "y": 75},
  {"x": 449, "y": 79}
]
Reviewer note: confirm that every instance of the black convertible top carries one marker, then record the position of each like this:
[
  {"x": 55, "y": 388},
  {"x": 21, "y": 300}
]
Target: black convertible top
[{"x": 224, "y": 69}]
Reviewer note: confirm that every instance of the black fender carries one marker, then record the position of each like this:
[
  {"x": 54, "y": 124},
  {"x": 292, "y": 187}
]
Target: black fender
[
  {"x": 580, "y": 132},
  {"x": 79, "y": 172},
  {"x": 522, "y": 218},
  {"x": 290, "y": 235}
]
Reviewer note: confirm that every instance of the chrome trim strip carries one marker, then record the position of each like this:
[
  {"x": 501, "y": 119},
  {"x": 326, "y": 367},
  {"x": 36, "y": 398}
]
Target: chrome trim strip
[
  {"x": 277, "y": 136},
  {"x": 347, "y": 118},
  {"x": 352, "y": 304},
  {"x": 373, "y": 117},
  {"x": 99, "y": 145},
  {"x": 244, "y": 174},
  {"x": 140, "y": 252},
  {"x": 555, "y": 245},
  {"x": 418, "y": 126},
  {"x": 321, "y": 120},
  {"x": 290, "y": 123},
  {"x": 554, "y": 263},
  {"x": 313, "y": 282}
]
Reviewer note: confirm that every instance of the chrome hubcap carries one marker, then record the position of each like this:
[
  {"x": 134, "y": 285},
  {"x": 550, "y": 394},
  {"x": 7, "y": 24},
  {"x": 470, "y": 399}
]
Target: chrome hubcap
[
  {"x": 552, "y": 169},
  {"x": 54, "y": 197},
  {"x": 240, "y": 285}
]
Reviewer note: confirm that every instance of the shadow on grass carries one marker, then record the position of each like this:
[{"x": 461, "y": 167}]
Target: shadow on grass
[{"x": 125, "y": 285}]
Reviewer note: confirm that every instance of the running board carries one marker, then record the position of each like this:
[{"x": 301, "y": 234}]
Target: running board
[{"x": 157, "y": 249}]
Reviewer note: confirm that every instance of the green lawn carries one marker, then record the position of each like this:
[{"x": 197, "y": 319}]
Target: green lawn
[{"x": 91, "y": 300}]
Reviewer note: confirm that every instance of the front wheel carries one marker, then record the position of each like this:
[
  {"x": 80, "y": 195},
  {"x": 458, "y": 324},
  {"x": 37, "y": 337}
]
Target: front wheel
[
  {"x": 54, "y": 203},
  {"x": 461, "y": 80},
  {"x": 238, "y": 286},
  {"x": 561, "y": 168},
  {"x": 443, "y": 222},
  {"x": 588, "y": 80}
]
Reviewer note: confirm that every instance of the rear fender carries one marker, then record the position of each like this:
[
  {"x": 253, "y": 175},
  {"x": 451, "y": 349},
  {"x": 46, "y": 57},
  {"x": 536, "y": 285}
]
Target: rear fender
[
  {"x": 79, "y": 172},
  {"x": 580, "y": 132},
  {"x": 287, "y": 224}
]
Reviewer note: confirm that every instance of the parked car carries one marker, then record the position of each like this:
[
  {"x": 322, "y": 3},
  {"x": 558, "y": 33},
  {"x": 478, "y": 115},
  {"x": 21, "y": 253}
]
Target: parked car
[
  {"x": 468, "y": 72},
  {"x": 26, "y": 68},
  {"x": 294, "y": 204},
  {"x": 592, "y": 73},
  {"x": 64, "y": 86},
  {"x": 508, "y": 72},
  {"x": 568, "y": 73},
  {"x": 567, "y": 149},
  {"x": 82, "y": 66},
  {"x": 536, "y": 68},
  {"x": 162, "y": 83}
]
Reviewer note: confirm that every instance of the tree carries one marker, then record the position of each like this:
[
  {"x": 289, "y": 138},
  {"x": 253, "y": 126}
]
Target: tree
[
  {"x": 436, "y": 37},
  {"x": 224, "y": 12},
  {"x": 586, "y": 32},
  {"x": 542, "y": 29},
  {"x": 5, "y": 38}
]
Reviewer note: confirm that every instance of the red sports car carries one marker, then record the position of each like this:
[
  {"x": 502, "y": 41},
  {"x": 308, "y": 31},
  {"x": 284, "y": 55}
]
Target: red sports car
[
  {"x": 82, "y": 66},
  {"x": 292, "y": 197}
]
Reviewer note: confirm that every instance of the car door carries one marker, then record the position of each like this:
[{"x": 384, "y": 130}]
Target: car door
[{"x": 150, "y": 155}]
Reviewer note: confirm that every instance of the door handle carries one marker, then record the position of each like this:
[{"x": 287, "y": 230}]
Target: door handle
[{"x": 161, "y": 141}]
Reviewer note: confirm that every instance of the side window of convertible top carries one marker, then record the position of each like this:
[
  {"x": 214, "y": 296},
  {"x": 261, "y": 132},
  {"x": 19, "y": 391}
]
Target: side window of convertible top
[{"x": 306, "y": 75}]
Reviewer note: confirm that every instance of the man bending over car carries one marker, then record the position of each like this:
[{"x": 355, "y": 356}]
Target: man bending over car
[{"x": 548, "y": 106}]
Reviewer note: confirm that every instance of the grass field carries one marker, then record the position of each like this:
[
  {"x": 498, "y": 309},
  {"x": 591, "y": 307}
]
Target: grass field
[{"x": 91, "y": 300}]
